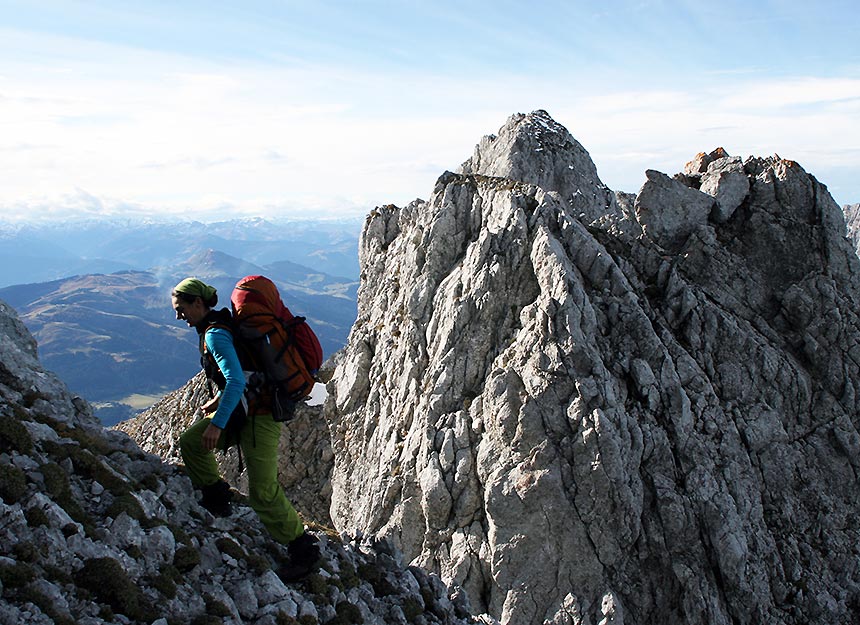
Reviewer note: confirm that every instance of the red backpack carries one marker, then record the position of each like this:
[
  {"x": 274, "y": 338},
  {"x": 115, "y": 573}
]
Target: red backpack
[{"x": 280, "y": 347}]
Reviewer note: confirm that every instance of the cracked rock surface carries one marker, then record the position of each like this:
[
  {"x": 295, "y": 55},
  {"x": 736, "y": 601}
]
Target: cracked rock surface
[
  {"x": 852, "y": 222},
  {"x": 591, "y": 407}
]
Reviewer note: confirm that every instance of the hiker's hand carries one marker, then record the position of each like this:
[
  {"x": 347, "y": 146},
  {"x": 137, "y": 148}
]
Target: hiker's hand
[
  {"x": 210, "y": 406},
  {"x": 210, "y": 437}
]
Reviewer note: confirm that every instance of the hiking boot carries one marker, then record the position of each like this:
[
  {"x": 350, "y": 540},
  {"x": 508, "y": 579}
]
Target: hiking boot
[
  {"x": 216, "y": 498},
  {"x": 304, "y": 558}
]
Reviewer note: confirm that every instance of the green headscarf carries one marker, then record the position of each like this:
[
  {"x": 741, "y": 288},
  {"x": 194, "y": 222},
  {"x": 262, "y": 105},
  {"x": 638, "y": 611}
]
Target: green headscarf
[{"x": 196, "y": 288}]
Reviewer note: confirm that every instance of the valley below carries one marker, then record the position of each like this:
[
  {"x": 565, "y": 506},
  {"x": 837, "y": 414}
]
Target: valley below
[{"x": 113, "y": 336}]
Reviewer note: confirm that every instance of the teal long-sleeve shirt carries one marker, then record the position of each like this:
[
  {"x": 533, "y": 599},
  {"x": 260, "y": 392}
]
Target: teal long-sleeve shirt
[{"x": 219, "y": 343}]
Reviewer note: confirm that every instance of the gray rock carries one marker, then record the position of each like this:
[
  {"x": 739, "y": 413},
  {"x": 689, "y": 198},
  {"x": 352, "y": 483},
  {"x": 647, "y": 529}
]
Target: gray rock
[
  {"x": 656, "y": 428},
  {"x": 15, "y": 332},
  {"x": 852, "y": 223},
  {"x": 535, "y": 149},
  {"x": 56, "y": 516},
  {"x": 670, "y": 211},
  {"x": 269, "y": 589},
  {"x": 158, "y": 546},
  {"x": 243, "y": 598},
  {"x": 727, "y": 182}
]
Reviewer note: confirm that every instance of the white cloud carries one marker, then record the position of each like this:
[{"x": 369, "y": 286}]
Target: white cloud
[
  {"x": 164, "y": 132},
  {"x": 795, "y": 92},
  {"x": 814, "y": 121}
]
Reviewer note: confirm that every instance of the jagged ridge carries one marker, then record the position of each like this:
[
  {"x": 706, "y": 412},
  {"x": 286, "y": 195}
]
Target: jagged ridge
[{"x": 588, "y": 408}]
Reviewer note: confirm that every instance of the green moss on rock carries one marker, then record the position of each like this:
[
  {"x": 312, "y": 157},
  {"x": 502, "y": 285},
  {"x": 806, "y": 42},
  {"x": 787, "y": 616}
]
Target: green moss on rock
[
  {"x": 216, "y": 607},
  {"x": 134, "y": 552},
  {"x": 56, "y": 451},
  {"x": 14, "y": 436},
  {"x": 149, "y": 523},
  {"x": 31, "y": 396},
  {"x": 127, "y": 503},
  {"x": 36, "y": 517},
  {"x": 165, "y": 581},
  {"x": 57, "y": 574},
  {"x": 56, "y": 480},
  {"x": 316, "y": 584},
  {"x": 17, "y": 575},
  {"x": 179, "y": 534},
  {"x": 91, "y": 441},
  {"x": 149, "y": 481},
  {"x": 107, "y": 580},
  {"x": 13, "y": 483},
  {"x": 412, "y": 608},
  {"x": 231, "y": 548},
  {"x": 89, "y": 466},
  {"x": 372, "y": 573},
  {"x": 186, "y": 558},
  {"x": 26, "y": 551},
  {"x": 58, "y": 487},
  {"x": 44, "y": 603},
  {"x": 347, "y": 613},
  {"x": 69, "y": 529},
  {"x": 258, "y": 563},
  {"x": 348, "y": 576}
]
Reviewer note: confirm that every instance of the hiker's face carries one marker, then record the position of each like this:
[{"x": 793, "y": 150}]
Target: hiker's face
[{"x": 192, "y": 313}]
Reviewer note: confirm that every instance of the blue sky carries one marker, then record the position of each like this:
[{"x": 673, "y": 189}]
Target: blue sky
[{"x": 217, "y": 109}]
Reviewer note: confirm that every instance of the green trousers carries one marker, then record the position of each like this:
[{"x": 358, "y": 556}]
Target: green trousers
[{"x": 258, "y": 440}]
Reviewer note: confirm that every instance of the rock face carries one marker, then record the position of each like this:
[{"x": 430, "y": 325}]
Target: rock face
[
  {"x": 93, "y": 531},
  {"x": 852, "y": 221},
  {"x": 591, "y": 408}
]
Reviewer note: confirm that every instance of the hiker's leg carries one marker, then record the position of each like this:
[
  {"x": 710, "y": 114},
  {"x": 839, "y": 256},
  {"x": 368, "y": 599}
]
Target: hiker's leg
[
  {"x": 200, "y": 463},
  {"x": 259, "y": 440}
]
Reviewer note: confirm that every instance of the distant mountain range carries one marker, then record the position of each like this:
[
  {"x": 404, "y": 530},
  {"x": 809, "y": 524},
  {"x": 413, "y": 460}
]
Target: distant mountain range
[
  {"x": 44, "y": 252},
  {"x": 111, "y": 335}
]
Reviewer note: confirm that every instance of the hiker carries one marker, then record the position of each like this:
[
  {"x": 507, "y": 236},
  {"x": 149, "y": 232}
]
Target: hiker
[{"x": 223, "y": 423}]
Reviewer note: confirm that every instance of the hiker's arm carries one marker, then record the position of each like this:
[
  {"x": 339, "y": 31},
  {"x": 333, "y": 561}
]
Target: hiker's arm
[
  {"x": 211, "y": 405},
  {"x": 220, "y": 344},
  {"x": 210, "y": 437}
]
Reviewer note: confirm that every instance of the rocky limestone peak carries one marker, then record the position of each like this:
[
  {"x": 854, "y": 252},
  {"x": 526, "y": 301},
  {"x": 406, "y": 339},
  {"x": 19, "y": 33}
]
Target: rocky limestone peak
[
  {"x": 93, "y": 530},
  {"x": 537, "y": 150},
  {"x": 591, "y": 424}
]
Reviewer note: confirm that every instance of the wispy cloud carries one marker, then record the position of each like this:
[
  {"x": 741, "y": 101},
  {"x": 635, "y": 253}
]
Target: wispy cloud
[
  {"x": 212, "y": 141},
  {"x": 793, "y": 92},
  {"x": 198, "y": 131},
  {"x": 787, "y": 115}
]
